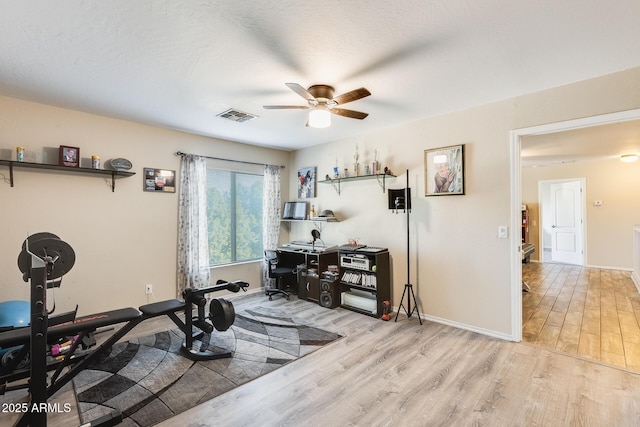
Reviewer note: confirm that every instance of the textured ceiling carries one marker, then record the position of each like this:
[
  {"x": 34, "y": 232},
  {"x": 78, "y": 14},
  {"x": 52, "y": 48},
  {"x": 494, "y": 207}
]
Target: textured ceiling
[{"x": 177, "y": 64}]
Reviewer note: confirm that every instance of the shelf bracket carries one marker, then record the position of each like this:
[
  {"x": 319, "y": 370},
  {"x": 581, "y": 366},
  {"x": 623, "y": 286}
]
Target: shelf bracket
[
  {"x": 11, "y": 174},
  {"x": 336, "y": 187},
  {"x": 381, "y": 183}
]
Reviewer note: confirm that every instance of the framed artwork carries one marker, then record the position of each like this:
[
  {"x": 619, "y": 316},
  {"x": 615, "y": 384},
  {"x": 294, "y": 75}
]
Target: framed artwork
[
  {"x": 307, "y": 183},
  {"x": 69, "y": 156},
  {"x": 444, "y": 171},
  {"x": 159, "y": 180}
]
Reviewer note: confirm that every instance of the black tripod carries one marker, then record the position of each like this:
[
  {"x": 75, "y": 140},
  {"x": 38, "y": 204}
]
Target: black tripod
[{"x": 402, "y": 200}]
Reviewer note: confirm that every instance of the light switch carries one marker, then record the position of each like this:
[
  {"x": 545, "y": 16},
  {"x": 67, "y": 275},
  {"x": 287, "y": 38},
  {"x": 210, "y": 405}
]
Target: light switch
[{"x": 503, "y": 231}]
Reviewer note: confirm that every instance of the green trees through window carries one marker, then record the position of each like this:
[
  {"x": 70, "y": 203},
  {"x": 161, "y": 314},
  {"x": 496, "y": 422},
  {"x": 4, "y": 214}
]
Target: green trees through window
[{"x": 234, "y": 216}]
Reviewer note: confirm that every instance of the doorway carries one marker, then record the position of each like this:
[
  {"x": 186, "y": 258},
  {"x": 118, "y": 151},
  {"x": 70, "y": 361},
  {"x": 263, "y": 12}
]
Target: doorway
[
  {"x": 562, "y": 221},
  {"x": 516, "y": 199}
]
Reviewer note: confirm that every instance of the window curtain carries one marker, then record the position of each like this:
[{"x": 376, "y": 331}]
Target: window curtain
[
  {"x": 193, "y": 241},
  {"x": 270, "y": 214}
]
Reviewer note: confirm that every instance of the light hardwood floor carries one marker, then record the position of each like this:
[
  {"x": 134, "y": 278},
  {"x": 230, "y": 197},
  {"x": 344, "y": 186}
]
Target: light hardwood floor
[
  {"x": 588, "y": 312},
  {"x": 403, "y": 374}
]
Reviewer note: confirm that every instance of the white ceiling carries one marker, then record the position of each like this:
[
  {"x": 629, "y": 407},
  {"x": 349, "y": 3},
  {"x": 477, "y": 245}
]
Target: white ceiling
[
  {"x": 589, "y": 144},
  {"x": 178, "y": 63}
]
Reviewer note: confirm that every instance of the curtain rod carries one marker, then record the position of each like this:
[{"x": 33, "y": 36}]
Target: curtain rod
[{"x": 180, "y": 153}]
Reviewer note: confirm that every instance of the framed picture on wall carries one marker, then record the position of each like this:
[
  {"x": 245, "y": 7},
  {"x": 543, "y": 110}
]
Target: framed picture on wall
[
  {"x": 444, "y": 171},
  {"x": 307, "y": 183},
  {"x": 69, "y": 156},
  {"x": 162, "y": 180}
]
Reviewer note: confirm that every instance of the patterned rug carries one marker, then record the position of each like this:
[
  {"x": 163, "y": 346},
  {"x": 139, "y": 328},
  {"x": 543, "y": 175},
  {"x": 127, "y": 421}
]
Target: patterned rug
[{"x": 149, "y": 380}]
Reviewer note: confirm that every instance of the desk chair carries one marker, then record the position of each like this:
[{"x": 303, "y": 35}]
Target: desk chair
[{"x": 275, "y": 272}]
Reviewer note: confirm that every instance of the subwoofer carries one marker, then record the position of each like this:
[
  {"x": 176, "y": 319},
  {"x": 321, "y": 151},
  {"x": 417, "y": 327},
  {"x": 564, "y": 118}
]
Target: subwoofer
[{"x": 329, "y": 294}]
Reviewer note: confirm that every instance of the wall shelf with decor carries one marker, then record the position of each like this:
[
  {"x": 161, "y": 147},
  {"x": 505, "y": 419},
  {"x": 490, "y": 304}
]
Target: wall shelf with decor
[
  {"x": 337, "y": 182},
  {"x": 75, "y": 170}
]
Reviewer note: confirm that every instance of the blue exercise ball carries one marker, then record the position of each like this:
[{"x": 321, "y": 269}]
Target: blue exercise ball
[{"x": 14, "y": 313}]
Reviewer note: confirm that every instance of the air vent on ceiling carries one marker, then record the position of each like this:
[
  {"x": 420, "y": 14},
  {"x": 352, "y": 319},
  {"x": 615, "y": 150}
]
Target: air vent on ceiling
[{"x": 237, "y": 115}]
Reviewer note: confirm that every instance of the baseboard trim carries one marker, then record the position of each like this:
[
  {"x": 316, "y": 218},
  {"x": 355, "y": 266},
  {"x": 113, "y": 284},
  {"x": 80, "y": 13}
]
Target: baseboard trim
[
  {"x": 636, "y": 280},
  {"x": 607, "y": 267},
  {"x": 466, "y": 327}
]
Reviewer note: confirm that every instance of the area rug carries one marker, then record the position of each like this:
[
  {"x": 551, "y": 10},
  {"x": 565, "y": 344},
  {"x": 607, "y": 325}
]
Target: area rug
[{"x": 148, "y": 379}]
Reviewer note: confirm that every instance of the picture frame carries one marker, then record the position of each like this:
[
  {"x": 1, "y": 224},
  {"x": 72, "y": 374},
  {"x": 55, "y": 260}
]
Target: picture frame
[
  {"x": 69, "y": 156},
  {"x": 307, "y": 183},
  {"x": 444, "y": 171},
  {"x": 159, "y": 180}
]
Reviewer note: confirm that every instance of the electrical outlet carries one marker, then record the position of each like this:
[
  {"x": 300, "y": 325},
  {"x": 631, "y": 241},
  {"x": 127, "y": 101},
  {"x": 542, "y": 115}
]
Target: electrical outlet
[{"x": 149, "y": 289}]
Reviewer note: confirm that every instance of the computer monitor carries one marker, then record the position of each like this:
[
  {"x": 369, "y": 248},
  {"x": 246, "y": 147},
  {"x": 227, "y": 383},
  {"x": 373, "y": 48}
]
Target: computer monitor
[{"x": 294, "y": 210}]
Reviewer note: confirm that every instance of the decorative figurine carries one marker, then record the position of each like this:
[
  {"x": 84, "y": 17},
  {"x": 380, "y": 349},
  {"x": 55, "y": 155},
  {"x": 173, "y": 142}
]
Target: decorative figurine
[
  {"x": 356, "y": 165},
  {"x": 376, "y": 165}
]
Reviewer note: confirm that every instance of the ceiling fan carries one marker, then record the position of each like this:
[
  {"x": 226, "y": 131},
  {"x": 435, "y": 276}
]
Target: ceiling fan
[{"x": 322, "y": 103}]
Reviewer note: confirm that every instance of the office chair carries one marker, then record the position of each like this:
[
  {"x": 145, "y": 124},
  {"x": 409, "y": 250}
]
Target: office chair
[{"x": 275, "y": 272}]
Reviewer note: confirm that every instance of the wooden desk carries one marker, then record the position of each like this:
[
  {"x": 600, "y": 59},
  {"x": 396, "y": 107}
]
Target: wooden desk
[{"x": 312, "y": 265}]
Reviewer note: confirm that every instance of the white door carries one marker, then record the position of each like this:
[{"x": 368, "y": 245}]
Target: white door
[{"x": 566, "y": 226}]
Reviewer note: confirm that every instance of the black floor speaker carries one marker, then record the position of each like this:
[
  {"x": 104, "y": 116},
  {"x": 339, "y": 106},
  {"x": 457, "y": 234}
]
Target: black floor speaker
[{"x": 329, "y": 294}]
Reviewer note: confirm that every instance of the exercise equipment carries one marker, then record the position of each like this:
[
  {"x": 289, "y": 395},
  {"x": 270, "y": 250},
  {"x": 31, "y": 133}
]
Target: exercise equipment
[
  {"x": 221, "y": 317},
  {"x": 44, "y": 259},
  {"x": 14, "y": 314}
]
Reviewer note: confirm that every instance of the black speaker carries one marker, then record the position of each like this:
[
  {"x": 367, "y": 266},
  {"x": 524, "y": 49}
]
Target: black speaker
[{"x": 329, "y": 294}]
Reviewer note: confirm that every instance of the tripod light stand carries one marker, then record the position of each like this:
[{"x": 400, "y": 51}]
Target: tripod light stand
[{"x": 401, "y": 199}]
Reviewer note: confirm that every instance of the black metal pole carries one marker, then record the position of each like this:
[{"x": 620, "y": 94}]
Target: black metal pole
[
  {"x": 39, "y": 322},
  {"x": 406, "y": 206}
]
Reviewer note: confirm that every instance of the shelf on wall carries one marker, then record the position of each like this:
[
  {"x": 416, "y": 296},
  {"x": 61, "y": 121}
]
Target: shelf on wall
[
  {"x": 317, "y": 222},
  {"x": 336, "y": 182},
  {"x": 27, "y": 165}
]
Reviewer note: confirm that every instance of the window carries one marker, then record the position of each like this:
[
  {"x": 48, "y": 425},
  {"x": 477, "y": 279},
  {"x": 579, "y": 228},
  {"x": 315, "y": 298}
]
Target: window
[{"x": 234, "y": 216}]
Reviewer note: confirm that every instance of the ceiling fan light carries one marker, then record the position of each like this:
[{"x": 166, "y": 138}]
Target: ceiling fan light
[
  {"x": 629, "y": 158},
  {"x": 319, "y": 118}
]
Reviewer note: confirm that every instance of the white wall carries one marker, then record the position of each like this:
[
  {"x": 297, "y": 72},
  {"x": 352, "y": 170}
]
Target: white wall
[
  {"x": 123, "y": 239},
  {"x": 460, "y": 269}
]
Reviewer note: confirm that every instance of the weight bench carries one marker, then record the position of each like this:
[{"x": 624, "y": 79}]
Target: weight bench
[
  {"x": 43, "y": 260},
  {"x": 221, "y": 317},
  {"x": 161, "y": 308},
  {"x": 82, "y": 326}
]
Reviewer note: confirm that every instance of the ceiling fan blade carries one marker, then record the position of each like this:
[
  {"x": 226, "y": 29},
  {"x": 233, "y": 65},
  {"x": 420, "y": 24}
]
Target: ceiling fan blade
[
  {"x": 286, "y": 107},
  {"x": 349, "y": 113},
  {"x": 352, "y": 96},
  {"x": 300, "y": 91}
]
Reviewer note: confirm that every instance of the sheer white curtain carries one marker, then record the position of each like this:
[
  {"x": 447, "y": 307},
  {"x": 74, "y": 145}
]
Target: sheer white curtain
[
  {"x": 193, "y": 242},
  {"x": 270, "y": 213}
]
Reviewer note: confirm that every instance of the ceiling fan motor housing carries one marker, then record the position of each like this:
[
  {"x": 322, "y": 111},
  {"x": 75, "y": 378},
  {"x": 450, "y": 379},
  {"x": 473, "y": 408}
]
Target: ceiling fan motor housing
[{"x": 321, "y": 91}]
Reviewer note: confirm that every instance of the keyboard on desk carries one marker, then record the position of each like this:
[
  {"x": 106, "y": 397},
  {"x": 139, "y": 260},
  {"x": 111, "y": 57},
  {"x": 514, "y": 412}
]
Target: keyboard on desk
[
  {"x": 306, "y": 246},
  {"x": 362, "y": 248},
  {"x": 371, "y": 249}
]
